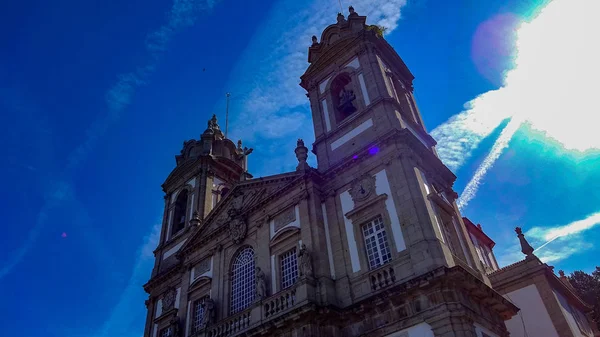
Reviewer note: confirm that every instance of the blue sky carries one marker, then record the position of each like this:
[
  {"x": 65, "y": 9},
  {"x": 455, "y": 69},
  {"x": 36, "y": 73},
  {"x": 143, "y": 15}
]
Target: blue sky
[{"x": 96, "y": 98}]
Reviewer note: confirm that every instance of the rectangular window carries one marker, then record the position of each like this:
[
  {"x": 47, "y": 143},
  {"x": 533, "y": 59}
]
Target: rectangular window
[
  {"x": 289, "y": 268},
  {"x": 197, "y": 314},
  {"x": 166, "y": 332},
  {"x": 376, "y": 243}
]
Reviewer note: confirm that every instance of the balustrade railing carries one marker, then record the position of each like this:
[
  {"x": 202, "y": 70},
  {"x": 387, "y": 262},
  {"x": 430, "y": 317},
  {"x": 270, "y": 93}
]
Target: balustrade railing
[
  {"x": 382, "y": 278},
  {"x": 281, "y": 301},
  {"x": 230, "y": 326}
]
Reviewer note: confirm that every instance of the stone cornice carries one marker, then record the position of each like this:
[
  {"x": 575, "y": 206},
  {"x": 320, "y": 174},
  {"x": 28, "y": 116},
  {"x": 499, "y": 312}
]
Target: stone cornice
[
  {"x": 414, "y": 150},
  {"x": 163, "y": 277}
]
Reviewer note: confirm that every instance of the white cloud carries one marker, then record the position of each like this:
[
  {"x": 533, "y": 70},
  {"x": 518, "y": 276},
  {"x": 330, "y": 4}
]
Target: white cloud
[
  {"x": 552, "y": 87},
  {"x": 121, "y": 322},
  {"x": 268, "y": 76},
  {"x": 497, "y": 149},
  {"x": 554, "y": 243}
]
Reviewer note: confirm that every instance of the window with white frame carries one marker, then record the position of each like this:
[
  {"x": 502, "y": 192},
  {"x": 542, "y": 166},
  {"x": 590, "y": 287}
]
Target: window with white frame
[
  {"x": 166, "y": 332},
  {"x": 376, "y": 243},
  {"x": 242, "y": 280},
  {"x": 289, "y": 268},
  {"x": 197, "y": 314}
]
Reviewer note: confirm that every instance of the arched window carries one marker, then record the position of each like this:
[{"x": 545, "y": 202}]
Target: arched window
[
  {"x": 343, "y": 96},
  {"x": 180, "y": 212},
  {"x": 242, "y": 280}
]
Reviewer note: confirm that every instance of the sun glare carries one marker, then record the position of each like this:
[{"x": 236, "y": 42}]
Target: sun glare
[{"x": 555, "y": 80}]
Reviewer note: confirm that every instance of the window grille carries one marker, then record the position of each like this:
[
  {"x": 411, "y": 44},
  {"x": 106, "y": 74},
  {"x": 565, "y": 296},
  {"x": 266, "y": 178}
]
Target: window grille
[
  {"x": 242, "y": 280},
  {"x": 289, "y": 268},
  {"x": 166, "y": 332},
  {"x": 197, "y": 314},
  {"x": 376, "y": 243}
]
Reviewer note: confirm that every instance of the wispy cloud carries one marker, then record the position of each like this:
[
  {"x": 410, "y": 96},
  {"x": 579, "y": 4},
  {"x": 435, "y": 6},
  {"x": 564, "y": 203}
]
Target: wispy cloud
[
  {"x": 274, "y": 107},
  {"x": 182, "y": 14},
  {"x": 121, "y": 321},
  {"x": 497, "y": 149},
  {"x": 554, "y": 243},
  {"x": 552, "y": 50}
]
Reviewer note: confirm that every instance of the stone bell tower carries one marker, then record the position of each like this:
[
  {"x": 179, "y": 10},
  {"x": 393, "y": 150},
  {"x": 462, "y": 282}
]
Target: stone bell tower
[
  {"x": 359, "y": 91},
  {"x": 206, "y": 171}
]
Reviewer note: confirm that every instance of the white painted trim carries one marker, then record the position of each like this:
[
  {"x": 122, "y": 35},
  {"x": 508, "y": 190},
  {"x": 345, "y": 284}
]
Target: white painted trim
[
  {"x": 323, "y": 85},
  {"x": 351, "y": 134},
  {"x": 158, "y": 308},
  {"x": 347, "y": 206},
  {"x": 363, "y": 89},
  {"x": 407, "y": 126},
  {"x": 354, "y": 63},
  {"x": 382, "y": 186},
  {"x": 173, "y": 250},
  {"x": 295, "y": 223},
  {"x": 328, "y": 241},
  {"x": 326, "y": 114},
  {"x": 177, "y": 298},
  {"x": 273, "y": 284},
  {"x": 479, "y": 329},
  {"x": 187, "y": 319},
  {"x": 459, "y": 233},
  {"x": 419, "y": 330},
  {"x": 170, "y": 224},
  {"x": 192, "y": 207},
  {"x": 192, "y": 182},
  {"x": 383, "y": 67}
]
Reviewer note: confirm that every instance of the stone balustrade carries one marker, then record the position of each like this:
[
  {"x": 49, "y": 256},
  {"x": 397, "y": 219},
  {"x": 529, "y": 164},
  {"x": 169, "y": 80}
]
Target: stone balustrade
[
  {"x": 382, "y": 277},
  {"x": 279, "y": 302},
  {"x": 232, "y": 325}
]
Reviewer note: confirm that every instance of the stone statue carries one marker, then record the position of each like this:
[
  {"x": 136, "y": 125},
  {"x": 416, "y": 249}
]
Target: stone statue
[
  {"x": 174, "y": 323},
  {"x": 242, "y": 155},
  {"x": 209, "y": 312},
  {"x": 261, "y": 286},
  {"x": 346, "y": 97},
  {"x": 314, "y": 41},
  {"x": 305, "y": 262},
  {"x": 301, "y": 154}
]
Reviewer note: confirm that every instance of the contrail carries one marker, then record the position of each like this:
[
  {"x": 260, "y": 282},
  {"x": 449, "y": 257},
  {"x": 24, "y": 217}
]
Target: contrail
[{"x": 499, "y": 146}]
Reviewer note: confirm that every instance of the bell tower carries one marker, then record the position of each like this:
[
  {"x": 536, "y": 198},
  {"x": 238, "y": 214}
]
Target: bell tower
[
  {"x": 206, "y": 171},
  {"x": 359, "y": 91},
  {"x": 369, "y": 132}
]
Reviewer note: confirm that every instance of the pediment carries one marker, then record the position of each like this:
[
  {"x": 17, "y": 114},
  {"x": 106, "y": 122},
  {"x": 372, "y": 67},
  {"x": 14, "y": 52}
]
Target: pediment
[{"x": 243, "y": 200}]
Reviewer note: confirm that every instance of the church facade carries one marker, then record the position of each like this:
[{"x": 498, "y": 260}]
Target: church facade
[{"x": 368, "y": 243}]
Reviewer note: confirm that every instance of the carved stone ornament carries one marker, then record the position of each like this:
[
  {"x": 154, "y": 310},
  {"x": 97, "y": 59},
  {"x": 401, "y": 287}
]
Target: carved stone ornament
[
  {"x": 238, "y": 229},
  {"x": 261, "y": 284},
  {"x": 363, "y": 188},
  {"x": 168, "y": 299},
  {"x": 284, "y": 218},
  {"x": 305, "y": 264},
  {"x": 209, "y": 312}
]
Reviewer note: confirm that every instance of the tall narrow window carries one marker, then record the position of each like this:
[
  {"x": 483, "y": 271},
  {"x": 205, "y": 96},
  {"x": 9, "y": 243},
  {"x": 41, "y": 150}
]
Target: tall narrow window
[
  {"x": 242, "y": 280},
  {"x": 180, "y": 212},
  {"x": 376, "y": 243},
  {"x": 289, "y": 268},
  {"x": 197, "y": 314}
]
